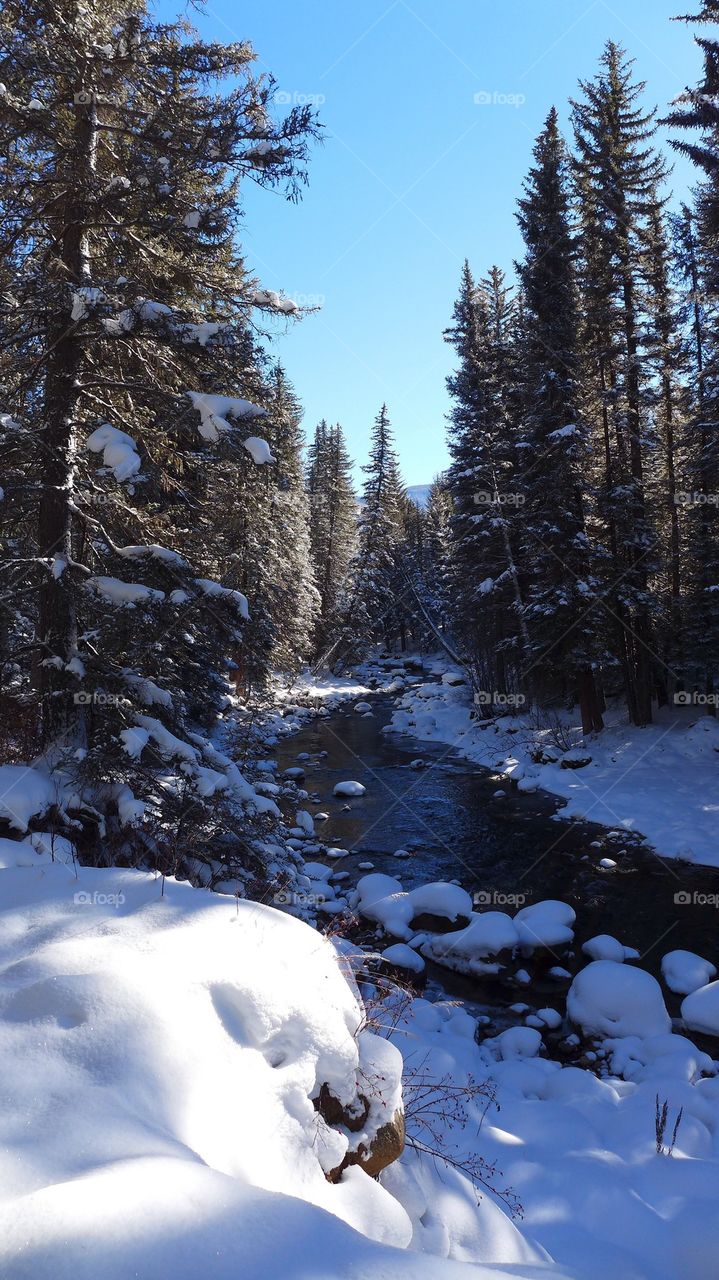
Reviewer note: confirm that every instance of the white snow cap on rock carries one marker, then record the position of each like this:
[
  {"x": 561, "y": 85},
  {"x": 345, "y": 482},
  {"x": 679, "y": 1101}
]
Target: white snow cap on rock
[
  {"x": 605, "y": 947},
  {"x": 684, "y": 972},
  {"x": 700, "y": 1009},
  {"x": 610, "y": 999},
  {"x": 349, "y": 789}
]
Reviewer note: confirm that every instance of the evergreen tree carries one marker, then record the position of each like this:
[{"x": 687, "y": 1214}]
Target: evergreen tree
[
  {"x": 618, "y": 178},
  {"x": 563, "y": 623},
  {"x": 333, "y": 531},
  {"x": 377, "y": 596},
  {"x": 127, "y": 309},
  {"x": 482, "y": 439}
]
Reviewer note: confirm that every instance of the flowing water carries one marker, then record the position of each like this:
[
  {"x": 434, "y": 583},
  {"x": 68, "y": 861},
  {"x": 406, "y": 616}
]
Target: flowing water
[{"x": 512, "y": 851}]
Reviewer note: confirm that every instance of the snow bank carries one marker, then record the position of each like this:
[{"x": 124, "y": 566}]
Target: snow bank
[{"x": 659, "y": 780}]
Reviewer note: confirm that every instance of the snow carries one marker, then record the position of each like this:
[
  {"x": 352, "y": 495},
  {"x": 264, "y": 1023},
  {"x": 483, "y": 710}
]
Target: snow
[
  {"x": 545, "y": 924},
  {"x": 349, "y": 789},
  {"x": 659, "y": 780},
  {"x": 684, "y": 972},
  {"x": 25, "y": 793},
  {"x": 259, "y": 450},
  {"x": 83, "y": 300},
  {"x": 441, "y": 899},
  {"x": 700, "y": 1009},
  {"x": 212, "y": 588},
  {"x": 274, "y": 301},
  {"x": 215, "y": 412},
  {"x": 605, "y": 947},
  {"x": 160, "y": 1050},
  {"x": 119, "y": 451},
  {"x": 610, "y": 999},
  {"x": 125, "y": 594},
  {"x": 403, "y": 957}
]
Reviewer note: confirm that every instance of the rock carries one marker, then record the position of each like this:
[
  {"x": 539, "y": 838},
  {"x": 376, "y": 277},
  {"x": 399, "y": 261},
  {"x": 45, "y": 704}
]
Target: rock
[
  {"x": 575, "y": 760},
  {"x": 386, "y": 1146}
]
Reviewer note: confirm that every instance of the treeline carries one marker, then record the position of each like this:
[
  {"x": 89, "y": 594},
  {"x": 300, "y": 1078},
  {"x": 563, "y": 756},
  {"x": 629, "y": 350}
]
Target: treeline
[{"x": 582, "y": 540}]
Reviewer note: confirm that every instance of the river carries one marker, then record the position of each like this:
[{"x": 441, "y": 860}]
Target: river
[{"x": 512, "y": 851}]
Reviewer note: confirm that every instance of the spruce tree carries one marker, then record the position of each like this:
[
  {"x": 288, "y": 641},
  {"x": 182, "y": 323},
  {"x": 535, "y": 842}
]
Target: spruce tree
[
  {"x": 563, "y": 621},
  {"x": 378, "y": 591},
  {"x": 125, "y": 332},
  {"x": 333, "y": 532},
  {"x": 482, "y": 482},
  {"x": 618, "y": 176}
]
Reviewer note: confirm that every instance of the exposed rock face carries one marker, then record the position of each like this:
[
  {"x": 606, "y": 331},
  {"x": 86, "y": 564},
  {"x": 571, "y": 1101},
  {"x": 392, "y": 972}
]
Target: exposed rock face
[{"x": 373, "y": 1156}]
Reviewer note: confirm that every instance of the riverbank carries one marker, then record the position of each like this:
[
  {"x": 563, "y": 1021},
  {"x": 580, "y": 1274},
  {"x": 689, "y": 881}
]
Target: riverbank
[{"x": 661, "y": 781}]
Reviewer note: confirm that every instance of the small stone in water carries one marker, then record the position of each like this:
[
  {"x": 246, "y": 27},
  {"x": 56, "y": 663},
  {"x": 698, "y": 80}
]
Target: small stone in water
[
  {"x": 365, "y": 866},
  {"x": 499, "y": 794},
  {"x": 607, "y": 863}
]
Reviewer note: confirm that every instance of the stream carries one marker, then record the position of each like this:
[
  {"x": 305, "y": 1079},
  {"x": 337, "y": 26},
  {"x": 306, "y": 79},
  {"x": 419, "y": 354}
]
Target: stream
[{"x": 513, "y": 851}]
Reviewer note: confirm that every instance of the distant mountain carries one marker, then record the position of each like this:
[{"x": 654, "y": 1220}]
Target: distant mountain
[{"x": 419, "y": 494}]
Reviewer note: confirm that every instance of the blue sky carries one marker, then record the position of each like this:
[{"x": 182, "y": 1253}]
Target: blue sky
[{"x": 415, "y": 174}]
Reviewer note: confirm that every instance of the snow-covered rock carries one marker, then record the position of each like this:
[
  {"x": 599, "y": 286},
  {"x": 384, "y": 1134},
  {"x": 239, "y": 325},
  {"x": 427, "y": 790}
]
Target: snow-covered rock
[
  {"x": 700, "y": 1009},
  {"x": 684, "y": 972},
  {"x": 610, "y": 999},
  {"x": 349, "y": 788}
]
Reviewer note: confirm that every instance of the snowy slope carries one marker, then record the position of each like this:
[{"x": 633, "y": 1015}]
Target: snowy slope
[
  {"x": 159, "y": 1047},
  {"x": 419, "y": 493}
]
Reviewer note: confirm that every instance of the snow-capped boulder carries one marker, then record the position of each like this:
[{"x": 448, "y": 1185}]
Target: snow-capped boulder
[
  {"x": 700, "y": 1009},
  {"x": 610, "y": 999},
  {"x": 349, "y": 788},
  {"x": 685, "y": 972}
]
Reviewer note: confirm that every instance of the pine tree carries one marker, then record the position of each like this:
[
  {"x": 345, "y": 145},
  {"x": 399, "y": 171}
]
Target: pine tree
[
  {"x": 618, "y": 178},
  {"x": 482, "y": 438},
  {"x": 562, "y": 621},
  {"x": 127, "y": 310},
  {"x": 333, "y": 532},
  {"x": 375, "y": 605}
]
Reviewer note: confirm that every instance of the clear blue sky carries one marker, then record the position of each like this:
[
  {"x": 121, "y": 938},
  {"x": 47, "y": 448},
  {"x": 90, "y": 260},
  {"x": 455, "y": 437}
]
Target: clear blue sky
[{"x": 414, "y": 175}]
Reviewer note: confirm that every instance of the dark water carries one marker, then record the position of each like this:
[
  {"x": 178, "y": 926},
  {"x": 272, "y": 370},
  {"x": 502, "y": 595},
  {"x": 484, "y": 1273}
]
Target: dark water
[{"x": 514, "y": 850}]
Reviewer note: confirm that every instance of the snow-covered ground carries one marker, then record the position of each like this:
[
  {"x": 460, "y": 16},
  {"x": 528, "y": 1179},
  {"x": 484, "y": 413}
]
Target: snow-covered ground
[
  {"x": 160, "y": 1050},
  {"x": 661, "y": 781}
]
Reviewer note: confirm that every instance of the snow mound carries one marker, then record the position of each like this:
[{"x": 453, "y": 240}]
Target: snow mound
[
  {"x": 700, "y": 1009},
  {"x": 605, "y": 947},
  {"x": 349, "y": 789},
  {"x": 685, "y": 972},
  {"x": 609, "y": 999}
]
